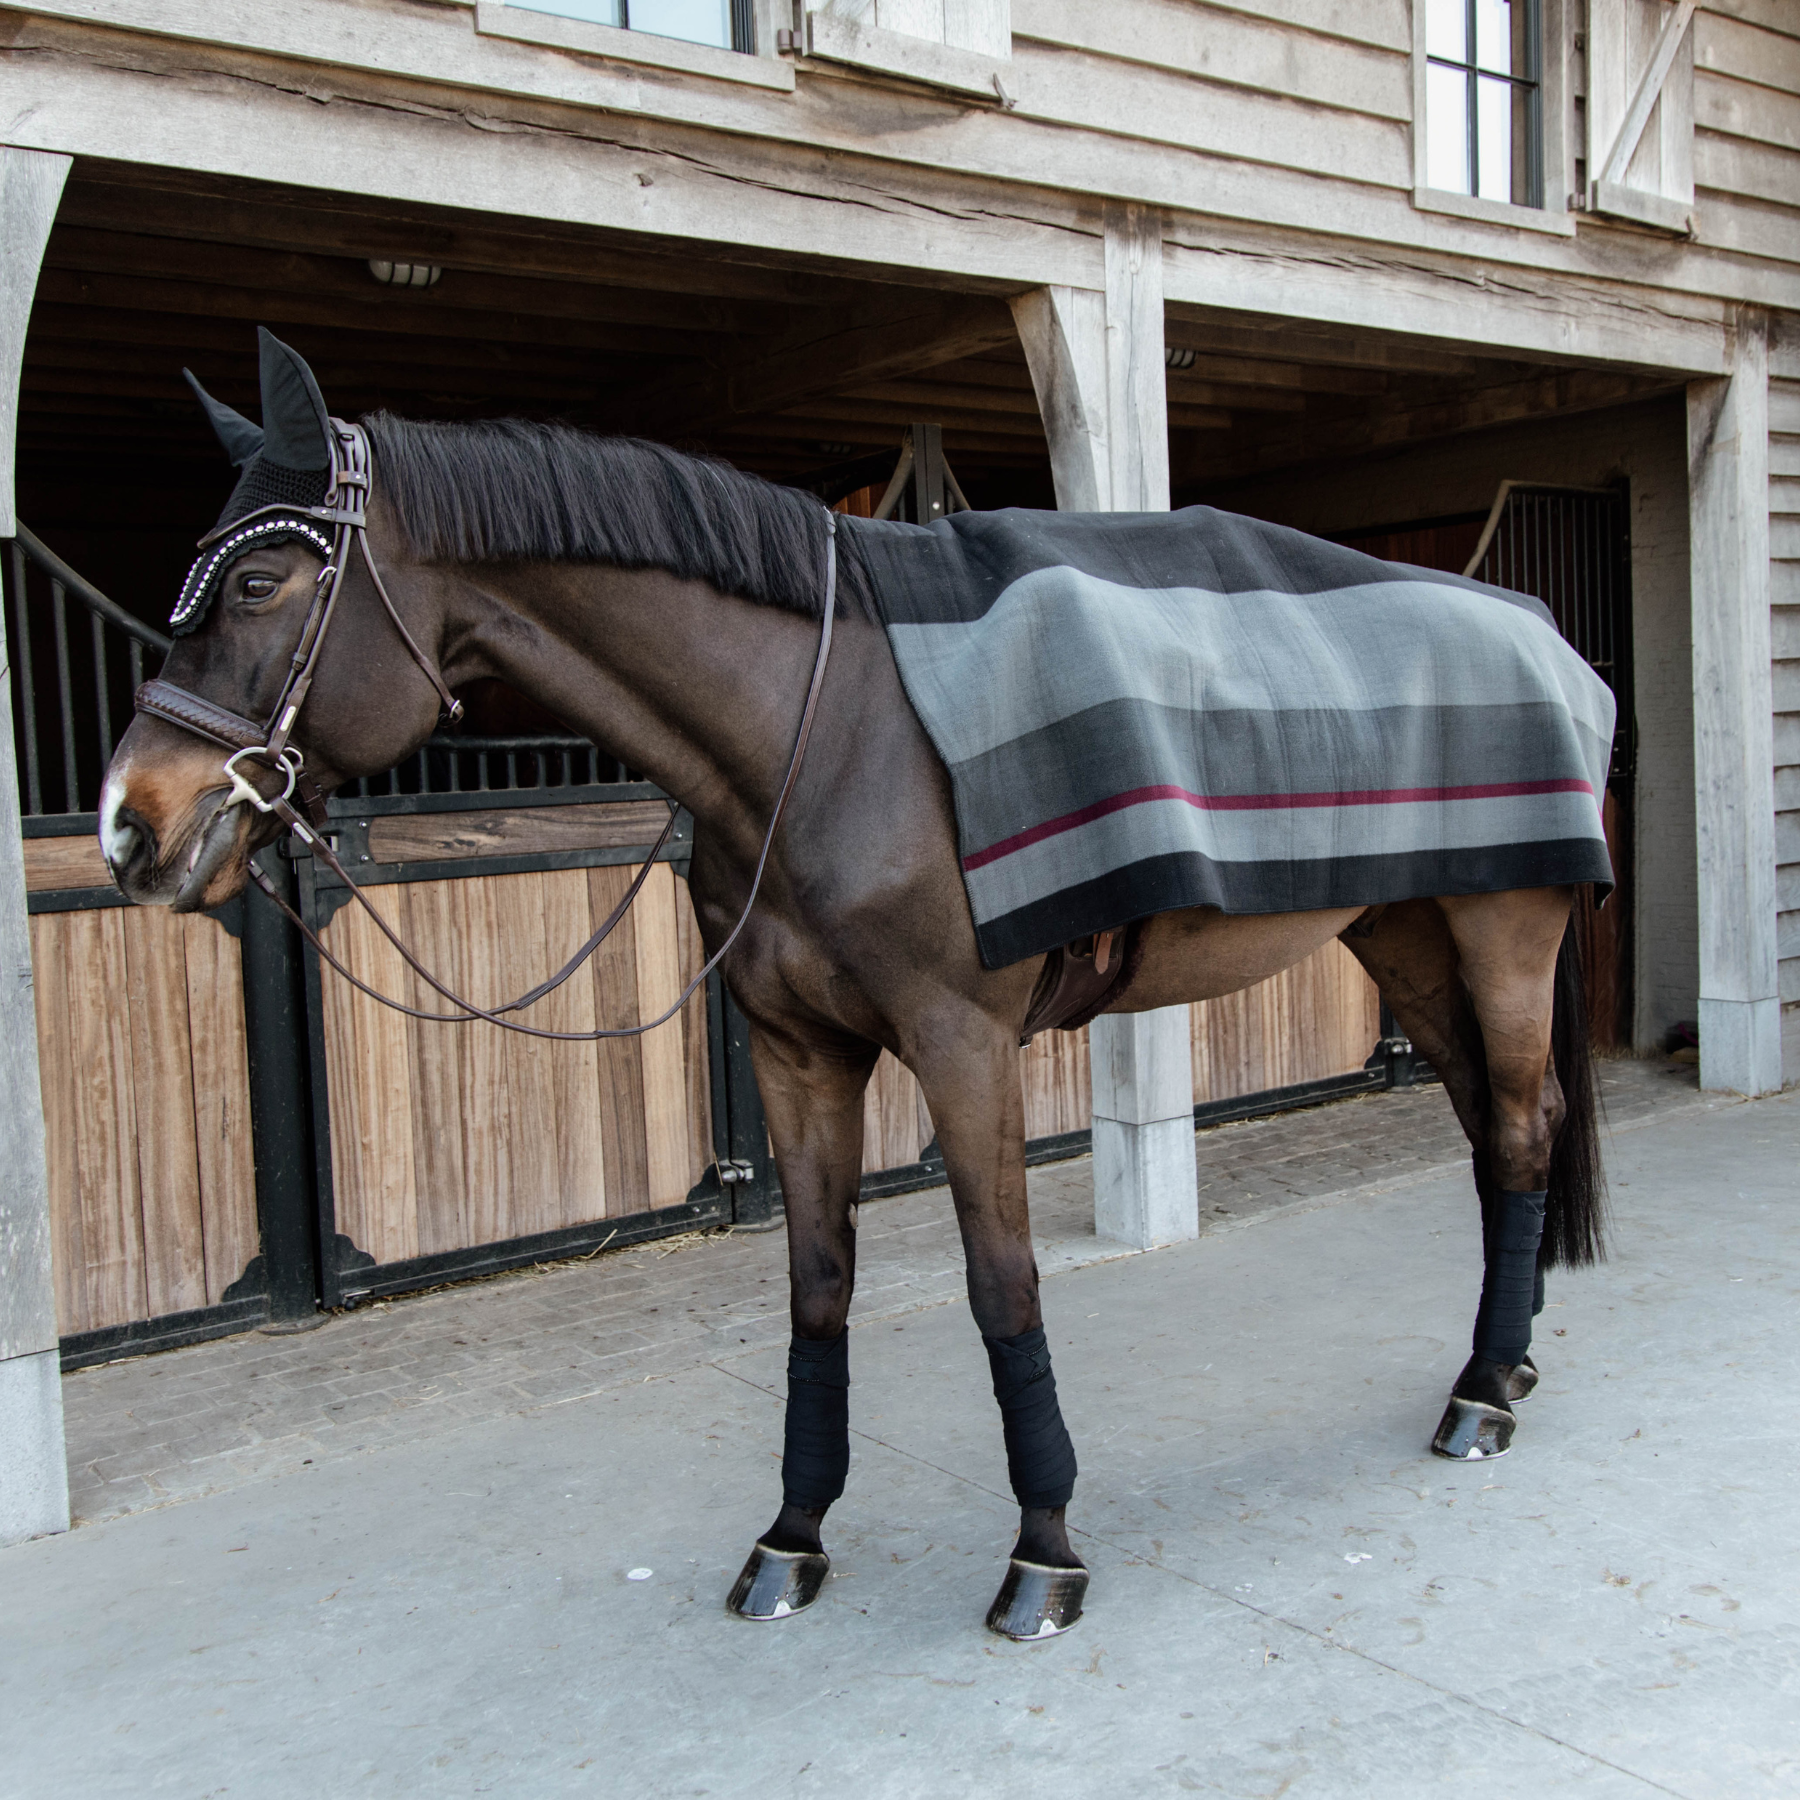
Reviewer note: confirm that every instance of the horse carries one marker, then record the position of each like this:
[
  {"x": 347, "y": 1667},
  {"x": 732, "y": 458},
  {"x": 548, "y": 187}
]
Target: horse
[{"x": 671, "y": 609}]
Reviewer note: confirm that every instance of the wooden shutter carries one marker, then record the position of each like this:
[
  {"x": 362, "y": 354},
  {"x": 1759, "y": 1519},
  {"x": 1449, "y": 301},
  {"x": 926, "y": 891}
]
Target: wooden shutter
[{"x": 1640, "y": 111}]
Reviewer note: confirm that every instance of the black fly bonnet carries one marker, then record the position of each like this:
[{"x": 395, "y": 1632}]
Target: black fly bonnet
[{"x": 286, "y": 464}]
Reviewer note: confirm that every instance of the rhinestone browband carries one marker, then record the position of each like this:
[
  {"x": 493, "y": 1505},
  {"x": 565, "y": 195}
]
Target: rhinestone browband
[{"x": 196, "y": 591}]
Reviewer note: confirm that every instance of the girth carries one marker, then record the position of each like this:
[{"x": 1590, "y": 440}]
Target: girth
[{"x": 1079, "y": 980}]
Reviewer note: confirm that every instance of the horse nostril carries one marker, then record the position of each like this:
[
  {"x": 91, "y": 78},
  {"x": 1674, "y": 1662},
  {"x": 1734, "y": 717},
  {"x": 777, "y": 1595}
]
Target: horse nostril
[{"x": 126, "y": 840}]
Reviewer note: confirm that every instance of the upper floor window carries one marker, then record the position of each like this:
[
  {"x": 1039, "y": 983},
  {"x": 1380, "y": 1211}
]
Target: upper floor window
[
  {"x": 725, "y": 24},
  {"x": 1483, "y": 99}
]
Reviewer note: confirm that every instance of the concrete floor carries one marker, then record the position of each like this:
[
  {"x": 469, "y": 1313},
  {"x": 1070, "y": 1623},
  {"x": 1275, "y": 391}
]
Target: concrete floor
[{"x": 1291, "y": 1598}]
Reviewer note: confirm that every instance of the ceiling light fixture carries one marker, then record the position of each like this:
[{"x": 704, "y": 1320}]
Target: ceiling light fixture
[
  {"x": 1179, "y": 359},
  {"x": 404, "y": 274}
]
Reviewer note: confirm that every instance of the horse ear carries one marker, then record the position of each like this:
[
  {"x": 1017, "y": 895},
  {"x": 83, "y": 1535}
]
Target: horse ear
[
  {"x": 296, "y": 426},
  {"x": 241, "y": 439}
]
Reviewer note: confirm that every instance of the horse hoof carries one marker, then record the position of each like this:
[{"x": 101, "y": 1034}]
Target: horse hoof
[
  {"x": 1036, "y": 1601},
  {"x": 1471, "y": 1430},
  {"x": 777, "y": 1583},
  {"x": 1521, "y": 1381}
]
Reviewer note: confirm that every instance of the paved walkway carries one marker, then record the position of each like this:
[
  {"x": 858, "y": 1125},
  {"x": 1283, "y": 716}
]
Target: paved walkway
[
  {"x": 1291, "y": 1597},
  {"x": 149, "y": 1431}
]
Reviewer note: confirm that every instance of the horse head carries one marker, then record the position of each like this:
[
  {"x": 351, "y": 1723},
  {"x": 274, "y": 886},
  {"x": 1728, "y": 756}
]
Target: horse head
[{"x": 179, "y": 813}]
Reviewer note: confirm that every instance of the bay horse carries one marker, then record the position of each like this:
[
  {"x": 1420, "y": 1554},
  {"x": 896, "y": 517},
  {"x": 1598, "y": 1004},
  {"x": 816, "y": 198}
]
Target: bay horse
[{"x": 669, "y": 608}]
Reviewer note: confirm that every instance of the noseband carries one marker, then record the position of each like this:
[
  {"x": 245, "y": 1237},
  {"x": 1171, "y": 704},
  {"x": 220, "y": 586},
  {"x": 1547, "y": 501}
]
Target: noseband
[{"x": 345, "y": 509}]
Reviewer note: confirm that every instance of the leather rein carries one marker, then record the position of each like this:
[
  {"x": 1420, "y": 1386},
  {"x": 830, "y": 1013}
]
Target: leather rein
[{"x": 345, "y": 509}]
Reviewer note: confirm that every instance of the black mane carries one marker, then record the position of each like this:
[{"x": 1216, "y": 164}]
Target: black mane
[{"x": 510, "y": 490}]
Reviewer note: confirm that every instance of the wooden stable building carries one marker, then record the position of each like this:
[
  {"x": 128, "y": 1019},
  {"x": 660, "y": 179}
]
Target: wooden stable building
[{"x": 1510, "y": 286}]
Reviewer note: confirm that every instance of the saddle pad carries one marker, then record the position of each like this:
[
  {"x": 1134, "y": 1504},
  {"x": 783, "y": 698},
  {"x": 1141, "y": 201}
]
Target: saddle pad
[{"x": 1145, "y": 711}]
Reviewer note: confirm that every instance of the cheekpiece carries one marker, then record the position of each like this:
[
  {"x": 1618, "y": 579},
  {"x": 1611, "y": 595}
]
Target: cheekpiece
[{"x": 209, "y": 567}]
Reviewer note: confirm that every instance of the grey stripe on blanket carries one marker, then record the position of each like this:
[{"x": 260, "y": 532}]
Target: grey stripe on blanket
[{"x": 1148, "y": 711}]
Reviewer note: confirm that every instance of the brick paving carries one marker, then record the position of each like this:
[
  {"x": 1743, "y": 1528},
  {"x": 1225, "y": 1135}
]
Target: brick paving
[{"x": 151, "y": 1431}]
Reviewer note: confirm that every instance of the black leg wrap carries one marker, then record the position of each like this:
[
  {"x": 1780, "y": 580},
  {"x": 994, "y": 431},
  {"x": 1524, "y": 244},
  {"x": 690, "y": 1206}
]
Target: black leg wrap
[
  {"x": 1514, "y": 1227},
  {"x": 1537, "y": 1295},
  {"x": 815, "y": 1456},
  {"x": 1039, "y": 1457}
]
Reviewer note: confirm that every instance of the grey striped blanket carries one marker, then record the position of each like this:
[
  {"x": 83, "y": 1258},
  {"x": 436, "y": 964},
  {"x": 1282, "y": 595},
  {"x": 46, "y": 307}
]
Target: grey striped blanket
[{"x": 1148, "y": 711}]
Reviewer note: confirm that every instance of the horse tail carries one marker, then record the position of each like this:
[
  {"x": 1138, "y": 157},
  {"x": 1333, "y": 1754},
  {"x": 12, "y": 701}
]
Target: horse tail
[{"x": 1575, "y": 1212}]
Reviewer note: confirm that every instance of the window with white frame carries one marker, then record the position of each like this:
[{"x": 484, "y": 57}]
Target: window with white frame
[
  {"x": 725, "y": 24},
  {"x": 1484, "y": 99}
]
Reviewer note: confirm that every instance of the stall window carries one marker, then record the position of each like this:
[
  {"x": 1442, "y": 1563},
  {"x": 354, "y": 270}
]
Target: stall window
[
  {"x": 1483, "y": 99},
  {"x": 725, "y": 24}
]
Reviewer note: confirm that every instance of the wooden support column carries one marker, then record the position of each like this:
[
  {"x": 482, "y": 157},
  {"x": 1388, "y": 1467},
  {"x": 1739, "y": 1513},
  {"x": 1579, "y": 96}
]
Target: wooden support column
[
  {"x": 34, "y": 1471},
  {"x": 1734, "y": 752},
  {"x": 1097, "y": 364}
]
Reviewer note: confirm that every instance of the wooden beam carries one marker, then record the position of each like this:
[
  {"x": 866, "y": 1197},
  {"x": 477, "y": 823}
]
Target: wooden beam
[
  {"x": 894, "y": 336},
  {"x": 213, "y": 310},
  {"x": 200, "y": 266},
  {"x": 260, "y": 217}
]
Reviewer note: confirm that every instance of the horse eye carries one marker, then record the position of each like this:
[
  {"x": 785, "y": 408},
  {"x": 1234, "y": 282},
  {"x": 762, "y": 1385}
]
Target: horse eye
[{"x": 259, "y": 587}]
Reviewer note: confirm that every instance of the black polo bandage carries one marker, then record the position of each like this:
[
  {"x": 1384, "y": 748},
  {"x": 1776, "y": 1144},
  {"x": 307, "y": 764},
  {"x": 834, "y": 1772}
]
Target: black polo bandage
[
  {"x": 1510, "y": 1289},
  {"x": 1039, "y": 1457},
  {"x": 815, "y": 1456}
]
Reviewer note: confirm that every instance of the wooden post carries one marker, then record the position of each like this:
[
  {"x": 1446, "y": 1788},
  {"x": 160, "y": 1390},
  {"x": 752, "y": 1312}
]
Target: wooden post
[
  {"x": 34, "y": 1472},
  {"x": 1097, "y": 364},
  {"x": 1734, "y": 752}
]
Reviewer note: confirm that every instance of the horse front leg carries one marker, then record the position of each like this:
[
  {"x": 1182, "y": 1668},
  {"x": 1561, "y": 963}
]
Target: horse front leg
[
  {"x": 978, "y": 1110},
  {"x": 812, "y": 1095}
]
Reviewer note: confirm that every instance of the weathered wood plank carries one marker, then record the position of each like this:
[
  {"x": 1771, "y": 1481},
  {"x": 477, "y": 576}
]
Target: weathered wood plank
[
  {"x": 574, "y": 1068},
  {"x": 890, "y": 1116},
  {"x": 54, "y": 1004},
  {"x": 105, "y": 1119},
  {"x": 434, "y": 927},
  {"x": 517, "y": 957},
  {"x": 1320, "y": 1018},
  {"x": 516, "y": 831},
  {"x": 225, "y": 1153},
  {"x": 1350, "y": 53},
  {"x": 484, "y": 1070},
  {"x": 665, "y": 1078},
  {"x": 615, "y": 980},
  {"x": 369, "y": 1074},
  {"x": 1058, "y": 1083},
  {"x": 53, "y": 863},
  {"x": 155, "y": 1002},
  {"x": 695, "y": 1045}
]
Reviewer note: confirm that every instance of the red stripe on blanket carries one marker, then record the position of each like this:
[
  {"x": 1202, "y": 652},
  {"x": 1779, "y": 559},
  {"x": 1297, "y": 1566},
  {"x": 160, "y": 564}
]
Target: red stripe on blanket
[{"x": 1495, "y": 790}]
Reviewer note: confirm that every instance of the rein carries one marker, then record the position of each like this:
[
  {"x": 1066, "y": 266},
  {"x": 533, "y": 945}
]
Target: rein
[{"x": 345, "y": 508}]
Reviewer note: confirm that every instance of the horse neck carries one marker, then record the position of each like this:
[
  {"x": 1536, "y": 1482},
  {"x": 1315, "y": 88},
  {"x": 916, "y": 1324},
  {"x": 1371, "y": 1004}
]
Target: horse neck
[{"x": 699, "y": 691}]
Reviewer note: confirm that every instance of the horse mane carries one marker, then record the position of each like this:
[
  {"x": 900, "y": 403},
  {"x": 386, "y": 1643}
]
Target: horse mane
[{"x": 514, "y": 490}]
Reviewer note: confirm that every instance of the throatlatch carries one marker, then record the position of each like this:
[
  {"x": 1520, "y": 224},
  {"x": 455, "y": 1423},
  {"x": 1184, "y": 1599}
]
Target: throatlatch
[
  {"x": 1511, "y": 1292},
  {"x": 1039, "y": 1456},
  {"x": 815, "y": 1456}
]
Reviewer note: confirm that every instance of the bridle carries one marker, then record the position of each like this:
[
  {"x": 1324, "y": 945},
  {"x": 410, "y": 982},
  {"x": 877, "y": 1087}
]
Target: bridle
[{"x": 345, "y": 510}]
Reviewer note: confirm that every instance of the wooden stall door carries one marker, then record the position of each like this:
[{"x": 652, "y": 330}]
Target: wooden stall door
[
  {"x": 447, "y": 1137},
  {"x": 140, "y": 1022}
]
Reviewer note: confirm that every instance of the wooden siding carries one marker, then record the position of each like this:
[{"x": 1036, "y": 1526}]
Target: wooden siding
[
  {"x": 1322, "y": 1017},
  {"x": 140, "y": 1019},
  {"x": 444, "y": 1137},
  {"x": 1285, "y": 116},
  {"x": 1784, "y": 588}
]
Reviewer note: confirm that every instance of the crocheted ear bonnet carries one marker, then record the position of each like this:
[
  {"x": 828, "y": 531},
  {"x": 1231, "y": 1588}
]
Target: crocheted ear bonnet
[{"x": 285, "y": 464}]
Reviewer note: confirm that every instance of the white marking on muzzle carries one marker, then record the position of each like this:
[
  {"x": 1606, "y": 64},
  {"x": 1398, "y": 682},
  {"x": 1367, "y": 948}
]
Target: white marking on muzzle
[{"x": 115, "y": 838}]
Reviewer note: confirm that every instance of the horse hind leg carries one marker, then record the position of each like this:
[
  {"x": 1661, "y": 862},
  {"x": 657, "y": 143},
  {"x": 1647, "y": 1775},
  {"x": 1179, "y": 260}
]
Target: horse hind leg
[
  {"x": 1508, "y": 946},
  {"x": 1413, "y": 958}
]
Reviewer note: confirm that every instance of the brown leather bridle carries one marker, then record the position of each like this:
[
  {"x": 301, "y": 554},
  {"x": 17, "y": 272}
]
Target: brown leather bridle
[{"x": 345, "y": 509}]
